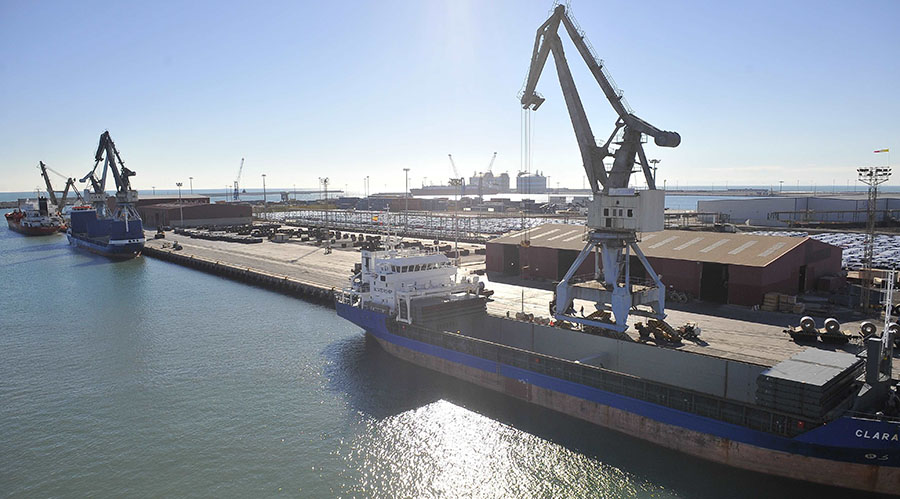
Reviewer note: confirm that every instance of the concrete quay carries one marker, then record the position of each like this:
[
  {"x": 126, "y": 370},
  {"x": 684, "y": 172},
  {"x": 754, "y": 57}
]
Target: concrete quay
[{"x": 309, "y": 272}]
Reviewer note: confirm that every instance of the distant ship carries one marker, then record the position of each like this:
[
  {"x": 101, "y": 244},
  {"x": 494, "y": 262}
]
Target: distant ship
[
  {"x": 117, "y": 233},
  {"x": 34, "y": 218}
]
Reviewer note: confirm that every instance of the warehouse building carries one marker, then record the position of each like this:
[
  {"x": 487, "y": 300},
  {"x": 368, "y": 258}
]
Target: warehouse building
[
  {"x": 195, "y": 214},
  {"x": 716, "y": 267},
  {"x": 784, "y": 211}
]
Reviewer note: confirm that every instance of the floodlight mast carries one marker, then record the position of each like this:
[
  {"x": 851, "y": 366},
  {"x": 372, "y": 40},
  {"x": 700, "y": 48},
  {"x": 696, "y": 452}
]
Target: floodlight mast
[{"x": 616, "y": 213}]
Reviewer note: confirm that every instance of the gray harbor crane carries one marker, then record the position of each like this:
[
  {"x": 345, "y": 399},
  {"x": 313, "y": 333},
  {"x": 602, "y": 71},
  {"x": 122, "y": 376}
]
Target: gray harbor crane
[
  {"x": 616, "y": 214},
  {"x": 125, "y": 195},
  {"x": 59, "y": 202}
]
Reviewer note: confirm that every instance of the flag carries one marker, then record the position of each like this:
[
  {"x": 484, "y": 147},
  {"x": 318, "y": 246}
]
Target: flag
[
  {"x": 883, "y": 150},
  {"x": 374, "y": 218}
]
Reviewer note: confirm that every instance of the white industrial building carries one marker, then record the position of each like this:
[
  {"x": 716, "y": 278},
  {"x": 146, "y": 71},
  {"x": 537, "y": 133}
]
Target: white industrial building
[
  {"x": 531, "y": 183},
  {"x": 784, "y": 211}
]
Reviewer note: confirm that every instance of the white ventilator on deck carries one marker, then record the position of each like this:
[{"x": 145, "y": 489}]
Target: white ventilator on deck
[{"x": 616, "y": 214}]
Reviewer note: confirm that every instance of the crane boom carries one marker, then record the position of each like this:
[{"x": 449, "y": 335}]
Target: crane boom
[
  {"x": 237, "y": 191},
  {"x": 50, "y": 192},
  {"x": 547, "y": 40},
  {"x": 112, "y": 162},
  {"x": 453, "y": 165},
  {"x": 60, "y": 203},
  {"x": 491, "y": 164},
  {"x": 107, "y": 152}
]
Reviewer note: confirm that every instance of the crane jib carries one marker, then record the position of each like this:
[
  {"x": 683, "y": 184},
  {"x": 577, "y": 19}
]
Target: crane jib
[{"x": 630, "y": 149}]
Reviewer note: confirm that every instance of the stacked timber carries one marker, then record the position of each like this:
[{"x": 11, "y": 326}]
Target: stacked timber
[
  {"x": 809, "y": 384},
  {"x": 786, "y": 303},
  {"x": 770, "y": 302}
]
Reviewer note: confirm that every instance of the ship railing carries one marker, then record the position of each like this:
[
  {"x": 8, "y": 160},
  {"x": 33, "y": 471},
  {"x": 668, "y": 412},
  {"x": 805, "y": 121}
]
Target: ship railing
[
  {"x": 873, "y": 417},
  {"x": 718, "y": 408},
  {"x": 347, "y": 296}
]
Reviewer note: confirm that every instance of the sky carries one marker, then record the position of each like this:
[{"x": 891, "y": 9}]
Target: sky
[{"x": 761, "y": 92}]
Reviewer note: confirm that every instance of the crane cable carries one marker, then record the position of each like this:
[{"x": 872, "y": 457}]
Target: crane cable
[{"x": 526, "y": 151}]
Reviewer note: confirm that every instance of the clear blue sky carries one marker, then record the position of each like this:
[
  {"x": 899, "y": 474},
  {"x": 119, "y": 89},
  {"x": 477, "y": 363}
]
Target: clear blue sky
[{"x": 760, "y": 91}]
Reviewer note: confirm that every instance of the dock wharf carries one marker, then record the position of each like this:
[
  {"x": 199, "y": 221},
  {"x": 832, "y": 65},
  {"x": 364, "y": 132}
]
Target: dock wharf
[
  {"x": 311, "y": 273},
  {"x": 315, "y": 280}
]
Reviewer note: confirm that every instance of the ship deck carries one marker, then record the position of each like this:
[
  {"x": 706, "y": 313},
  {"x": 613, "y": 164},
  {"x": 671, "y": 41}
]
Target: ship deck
[{"x": 728, "y": 331}]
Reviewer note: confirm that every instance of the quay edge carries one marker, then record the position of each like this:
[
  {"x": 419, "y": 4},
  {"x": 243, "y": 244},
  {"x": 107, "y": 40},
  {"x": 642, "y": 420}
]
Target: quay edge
[{"x": 280, "y": 283}]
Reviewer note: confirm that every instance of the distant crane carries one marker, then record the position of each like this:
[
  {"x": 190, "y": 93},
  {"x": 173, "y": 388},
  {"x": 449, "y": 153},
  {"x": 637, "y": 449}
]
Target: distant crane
[
  {"x": 236, "y": 196},
  {"x": 486, "y": 172},
  {"x": 456, "y": 179},
  {"x": 60, "y": 203},
  {"x": 491, "y": 164}
]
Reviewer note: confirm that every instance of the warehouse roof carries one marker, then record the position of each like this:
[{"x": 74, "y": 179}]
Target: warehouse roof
[{"x": 714, "y": 247}]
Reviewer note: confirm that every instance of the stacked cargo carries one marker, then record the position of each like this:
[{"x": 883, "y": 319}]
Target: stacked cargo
[
  {"x": 770, "y": 302},
  {"x": 809, "y": 384},
  {"x": 786, "y": 303},
  {"x": 779, "y": 302}
]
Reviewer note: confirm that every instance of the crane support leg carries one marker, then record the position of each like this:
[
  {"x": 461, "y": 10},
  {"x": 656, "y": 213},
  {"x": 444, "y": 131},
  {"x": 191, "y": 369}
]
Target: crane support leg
[{"x": 614, "y": 294}]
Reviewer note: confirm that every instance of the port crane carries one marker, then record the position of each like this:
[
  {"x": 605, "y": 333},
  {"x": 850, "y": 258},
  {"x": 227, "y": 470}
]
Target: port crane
[
  {"x": 236, "y": 196},
  {"x": 60, "y": 203},
  {"x": 481, "y": 177},
  {"x": 491, "y": 164},
  {"x": 456, "y": 179},
  {"x": 616, "y": 213},
  {"x": 125, "y": 195}
]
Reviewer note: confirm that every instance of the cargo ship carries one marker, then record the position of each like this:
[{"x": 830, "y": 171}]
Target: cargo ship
[
  {"x": 34, "y": 218},
  {"x": 113, "y": 232},
  {"x": 116, "y": 236},
  {"x": 828, "y": 417}
]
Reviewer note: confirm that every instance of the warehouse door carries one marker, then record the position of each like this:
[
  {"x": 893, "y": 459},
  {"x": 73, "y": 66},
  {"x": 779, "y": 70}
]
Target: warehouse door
[
  {"x": 565, "y": 259},
  {"x": 714, "y": 283},
  {"x": 510, "y": 259}
]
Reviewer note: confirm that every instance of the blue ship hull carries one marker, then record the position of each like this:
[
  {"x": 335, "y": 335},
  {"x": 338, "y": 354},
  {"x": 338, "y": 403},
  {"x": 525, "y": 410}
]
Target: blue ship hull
[
  {"x": 109, "y": 237},
  {"x": 851, "y": 452},
  {"x": 118, "y": 249}
]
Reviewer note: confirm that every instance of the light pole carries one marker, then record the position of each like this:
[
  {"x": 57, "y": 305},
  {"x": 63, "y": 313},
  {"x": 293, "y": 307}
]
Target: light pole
[
  {"x": 180, "y": 204},
  {"x": 655, "y": 162},
  {"x": 192, "y": 184},
  {"x": 780, "y": 186},
  {"x": 406, "y": 200},
  {"x": 324, "y": 181},
  {"x": 368, "y": 192},
  {"x": 154, "y": 190},
  {"x": 265, "y": 199}
]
